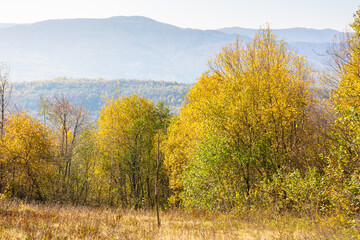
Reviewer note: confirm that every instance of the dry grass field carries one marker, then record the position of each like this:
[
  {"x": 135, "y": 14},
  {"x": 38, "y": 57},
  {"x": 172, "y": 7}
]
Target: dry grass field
[{"x": 35, "y": 221}]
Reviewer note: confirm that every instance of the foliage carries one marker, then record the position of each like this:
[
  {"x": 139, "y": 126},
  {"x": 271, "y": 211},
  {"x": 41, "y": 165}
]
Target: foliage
[
  {"x": 26, "y": 148},
  {"x": 251, "y": 136},
  {"x": 344, "y": 150},
  {"x": 204, "y": 183},
  {"x": 127, "y": 129},
  {"x": 84, "y": 168},
  {"x": 178, "y": 148},
  {"x": 67, "y": 121},
  {"x": 251, "y": 114},
  {"x": 306, "y": 194}
]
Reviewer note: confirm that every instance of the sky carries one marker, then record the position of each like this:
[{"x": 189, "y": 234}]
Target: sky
[{"x": 201, "y": 14}]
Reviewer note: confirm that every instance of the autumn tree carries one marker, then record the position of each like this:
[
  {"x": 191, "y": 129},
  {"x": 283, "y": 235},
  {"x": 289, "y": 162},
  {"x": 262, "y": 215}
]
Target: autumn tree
[
  {"x": 246, "y": 118},
  {"x": 162, "y": 121},
  {"x": 85, "y": 164},
  {"x": 127, "y": 130},
  {"x": 67, "y": 121},
  {"x": 181, "y": 142},
  {"x": 27, "y": 154},
  {"x": 343, "y": 133},
  {"x": 342, "y": 78}
]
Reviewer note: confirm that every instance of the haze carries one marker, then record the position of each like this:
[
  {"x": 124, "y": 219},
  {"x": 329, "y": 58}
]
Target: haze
[{"x": 201, "y": 14}]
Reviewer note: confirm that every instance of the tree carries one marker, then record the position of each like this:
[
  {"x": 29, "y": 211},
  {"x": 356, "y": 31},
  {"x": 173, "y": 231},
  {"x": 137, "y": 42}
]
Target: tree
[
  {"x": 161, "y": 124},
  {"x": 345, "y": 99},
  {"x": 84, "y": 168},
  {"x": 250, "y": 113},
  {"x": 67, "y": 121},
  {"x": 27, "y": 153},
  {"x": 179, "y": 146},
  {"x": 127, "y": 130},
  {"x": 5, "y": 93}
]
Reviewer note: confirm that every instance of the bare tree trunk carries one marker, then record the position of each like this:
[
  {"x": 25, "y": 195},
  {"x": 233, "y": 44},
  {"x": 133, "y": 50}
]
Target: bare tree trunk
[
  {"x": 156, "y": 182},
  {"x": 5, "y": 94}
]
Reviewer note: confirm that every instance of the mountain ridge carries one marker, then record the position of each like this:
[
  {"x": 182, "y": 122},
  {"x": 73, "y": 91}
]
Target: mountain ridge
[
  {"x": 296, "y": 34},
  {"x": 124, "y": 47}
]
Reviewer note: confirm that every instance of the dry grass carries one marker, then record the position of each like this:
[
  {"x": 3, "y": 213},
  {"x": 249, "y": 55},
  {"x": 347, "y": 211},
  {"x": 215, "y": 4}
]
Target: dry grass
[{"x": 34, "y": 221}]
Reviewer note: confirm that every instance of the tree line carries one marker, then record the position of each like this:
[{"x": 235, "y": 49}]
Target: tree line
[
  {"x": 254, "y": 131},
  {"x": 89, "y": 93}
]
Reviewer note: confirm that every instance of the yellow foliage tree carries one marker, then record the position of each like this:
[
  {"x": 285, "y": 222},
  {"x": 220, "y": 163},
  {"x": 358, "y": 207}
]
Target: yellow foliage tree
[
  {"x": 127, "y": 129},
  {"x": 346, "y": 100},
  {"x": 251, "y": 110},
  {"x": 27, "y": 152}
]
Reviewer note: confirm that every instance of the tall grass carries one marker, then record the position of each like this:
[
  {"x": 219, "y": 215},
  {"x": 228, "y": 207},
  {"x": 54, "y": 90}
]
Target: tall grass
[{"x": 36, "y": 221}]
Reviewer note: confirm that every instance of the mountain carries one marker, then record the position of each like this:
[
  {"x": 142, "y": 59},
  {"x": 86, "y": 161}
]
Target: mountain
[
  {"x": 5, "y": 25},
  {"x": 128, "y": 47},
  {"x": 311, "y": 43},
  {"x": 291, "y": 34}
]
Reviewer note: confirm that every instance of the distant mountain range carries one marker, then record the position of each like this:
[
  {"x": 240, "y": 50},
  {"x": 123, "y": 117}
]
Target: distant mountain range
[
  {"x": 290, "y": 35},
  {"x": 5, "y": 25},
  {"x": 129, "y": 47}
]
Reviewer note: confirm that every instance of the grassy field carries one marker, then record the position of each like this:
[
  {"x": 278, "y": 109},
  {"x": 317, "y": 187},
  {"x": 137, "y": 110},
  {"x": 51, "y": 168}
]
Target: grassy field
[{"x": 34, "y": 221}]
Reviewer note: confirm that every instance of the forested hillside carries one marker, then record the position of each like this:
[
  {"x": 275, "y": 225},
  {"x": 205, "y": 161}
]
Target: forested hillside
[{"x": 91, "y": 93}]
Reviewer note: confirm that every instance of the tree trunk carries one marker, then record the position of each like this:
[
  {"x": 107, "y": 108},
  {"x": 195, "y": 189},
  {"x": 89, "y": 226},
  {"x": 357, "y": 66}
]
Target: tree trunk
[{"x": 156, "y": 182}]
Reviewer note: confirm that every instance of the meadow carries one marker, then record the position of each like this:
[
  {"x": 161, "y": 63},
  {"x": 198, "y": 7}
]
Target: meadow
[{"x": 19, "y": 220}]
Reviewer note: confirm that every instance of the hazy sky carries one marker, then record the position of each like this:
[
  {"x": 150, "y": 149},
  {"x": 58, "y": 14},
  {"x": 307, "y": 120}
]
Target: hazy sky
[{"x": 203, "y": 14}]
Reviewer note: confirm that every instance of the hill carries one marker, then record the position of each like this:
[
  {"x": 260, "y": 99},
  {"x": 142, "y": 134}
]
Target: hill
[
  {"x": 128, "y": 47},
  {"x": 91, "y": 93}
]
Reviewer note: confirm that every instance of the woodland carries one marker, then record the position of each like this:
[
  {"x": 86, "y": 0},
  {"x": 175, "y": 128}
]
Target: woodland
[
  {"x": 254, "y": 133},
  {"x": 91, "y": 94}
]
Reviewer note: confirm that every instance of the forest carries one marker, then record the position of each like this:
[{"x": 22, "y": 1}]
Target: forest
[
  {"x": 91, "y": 93},
  {"x": 254, "y": 133}
]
